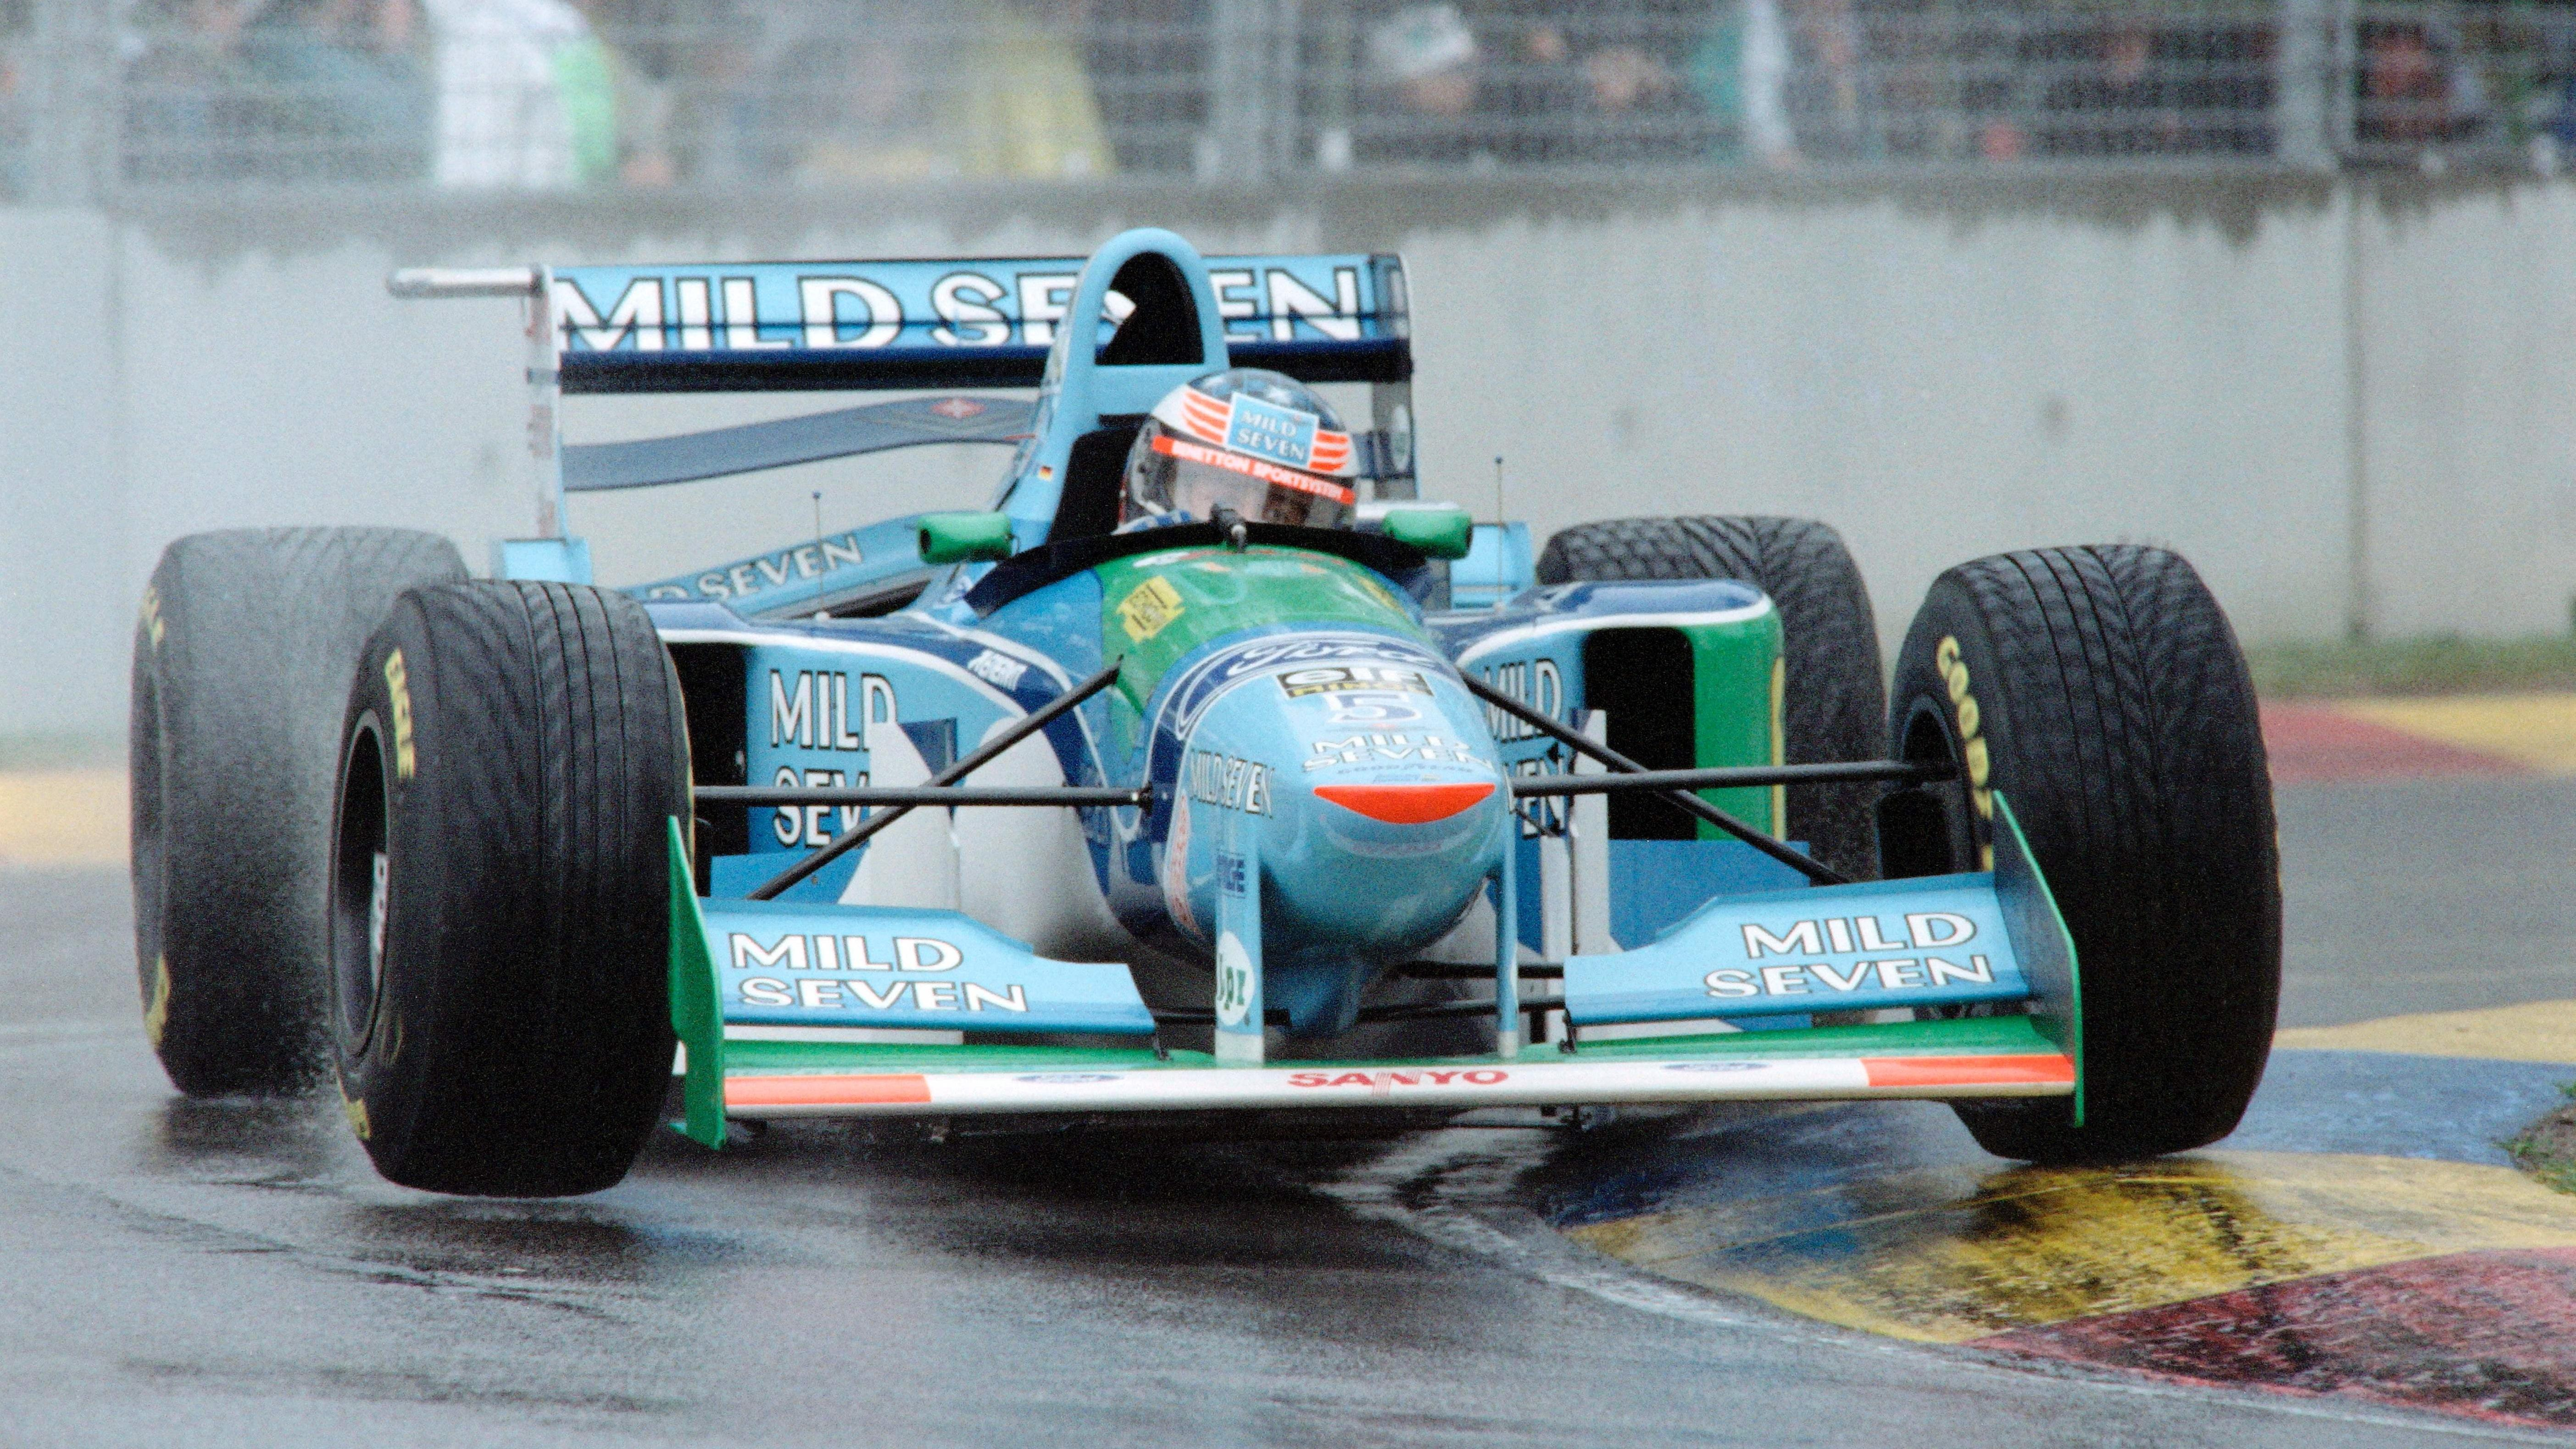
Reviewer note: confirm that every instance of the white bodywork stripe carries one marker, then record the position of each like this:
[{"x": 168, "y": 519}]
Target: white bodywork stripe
[
  {"x": 875, "y": 649},
  {"x": 1500, "y": 1084},
  {"x": 1522, "y": 634}
]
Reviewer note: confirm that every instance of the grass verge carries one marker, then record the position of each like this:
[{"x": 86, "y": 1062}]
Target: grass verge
[
  {"x": 2547, "y": 1148},
  {"x": 64, "y": 751},
  {"x": 2442, "y": 664}
]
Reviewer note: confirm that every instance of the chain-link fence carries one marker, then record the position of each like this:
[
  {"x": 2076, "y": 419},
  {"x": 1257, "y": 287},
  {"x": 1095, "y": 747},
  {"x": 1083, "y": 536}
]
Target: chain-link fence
[{"x": 98, "y": 98}]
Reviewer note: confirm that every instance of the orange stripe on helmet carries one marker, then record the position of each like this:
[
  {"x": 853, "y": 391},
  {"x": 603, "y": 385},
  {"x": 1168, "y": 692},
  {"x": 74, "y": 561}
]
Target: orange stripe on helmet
[{"x": 1189, "y": 452}]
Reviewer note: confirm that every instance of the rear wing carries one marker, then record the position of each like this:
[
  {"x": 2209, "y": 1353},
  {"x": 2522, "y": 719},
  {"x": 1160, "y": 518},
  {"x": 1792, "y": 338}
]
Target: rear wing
[
  {"x": 917, "y": 324},
  {"x": 910, "y": 325}
]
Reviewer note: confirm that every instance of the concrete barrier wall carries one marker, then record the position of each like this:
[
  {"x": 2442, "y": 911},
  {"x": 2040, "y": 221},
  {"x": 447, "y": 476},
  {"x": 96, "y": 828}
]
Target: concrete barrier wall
[{"x": 1939, "y": 372}]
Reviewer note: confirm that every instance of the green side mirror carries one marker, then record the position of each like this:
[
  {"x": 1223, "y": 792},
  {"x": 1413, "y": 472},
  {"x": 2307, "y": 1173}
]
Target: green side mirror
[
  {"x": 948, "y": 538},
  {"x": 1441, "y": 530}
]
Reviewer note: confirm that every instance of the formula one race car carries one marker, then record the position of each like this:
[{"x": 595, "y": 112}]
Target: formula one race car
[{"x": 1209, "y": 770}]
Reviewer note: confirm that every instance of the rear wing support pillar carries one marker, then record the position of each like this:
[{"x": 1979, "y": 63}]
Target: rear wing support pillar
[
  {"x": 551, "y": 553},
  {"x": 545, "y": 398}
]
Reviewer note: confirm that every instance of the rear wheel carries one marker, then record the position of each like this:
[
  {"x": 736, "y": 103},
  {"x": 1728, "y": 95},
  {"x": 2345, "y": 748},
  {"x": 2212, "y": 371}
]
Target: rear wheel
[
  {"x": 2102, "y": 692},
  {"x": 242, "y": 660},
  {"x": 1834, "y": 696},
  {"x": 500, "y": 888}
]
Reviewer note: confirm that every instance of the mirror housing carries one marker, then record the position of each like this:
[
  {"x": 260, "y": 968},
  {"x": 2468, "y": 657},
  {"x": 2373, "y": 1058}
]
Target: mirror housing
[
  {"x": 1440, "y": 530},
  {"x": 948, "y": 538}
]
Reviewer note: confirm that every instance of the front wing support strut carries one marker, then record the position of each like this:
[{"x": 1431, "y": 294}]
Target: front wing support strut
[{"x": 1814, "y": 870}]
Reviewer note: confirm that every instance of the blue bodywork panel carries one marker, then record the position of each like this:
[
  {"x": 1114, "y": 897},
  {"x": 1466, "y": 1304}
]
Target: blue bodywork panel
[
  {"x": 784, "y": 964},
  {"x": 805, "y": 575},
  {"x": 1662, "y": 882},
  {"x": 550, "y": 560},
  {"x": 1938, "y": 940},
  {"x": 1499, "y": 564}
]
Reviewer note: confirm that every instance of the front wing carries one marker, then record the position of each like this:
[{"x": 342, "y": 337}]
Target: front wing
[
  {"x": 746, "y": 1061},
  {"x": 1973, "y": 1057}
]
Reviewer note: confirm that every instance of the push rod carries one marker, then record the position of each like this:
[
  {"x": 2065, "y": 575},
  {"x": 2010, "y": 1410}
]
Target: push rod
[
  {"x": 951, "y": 795},
  {"x": 1814, "y": 870},
  {"x": 1026, "y": 726},
  {"x": 1730, "y": 777}
]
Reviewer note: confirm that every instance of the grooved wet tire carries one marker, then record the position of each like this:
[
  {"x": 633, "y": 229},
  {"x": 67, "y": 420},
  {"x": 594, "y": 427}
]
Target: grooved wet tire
[
  {"x": 500, "y": 888},
  {"x": 2102, "y": 692},
  {"x": 242, "y": 659},
  {"x": 1835, "y": 699}
]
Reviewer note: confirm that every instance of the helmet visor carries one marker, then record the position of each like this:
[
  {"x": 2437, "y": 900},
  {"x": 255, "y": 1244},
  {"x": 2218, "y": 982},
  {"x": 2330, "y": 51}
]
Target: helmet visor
[{"x": 1181, "y": 474}]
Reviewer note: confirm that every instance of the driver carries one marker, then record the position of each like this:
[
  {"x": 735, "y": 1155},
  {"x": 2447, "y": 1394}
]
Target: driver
[{"x": 1255, "y": 444}]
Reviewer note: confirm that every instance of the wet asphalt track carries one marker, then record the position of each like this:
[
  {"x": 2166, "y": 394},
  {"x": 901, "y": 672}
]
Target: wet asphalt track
[{"x": 189, "y": 1273}]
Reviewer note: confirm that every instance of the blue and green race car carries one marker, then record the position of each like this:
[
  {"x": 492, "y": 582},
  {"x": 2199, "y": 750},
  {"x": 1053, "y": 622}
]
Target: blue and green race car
[{"x": 1209, "y": 770}]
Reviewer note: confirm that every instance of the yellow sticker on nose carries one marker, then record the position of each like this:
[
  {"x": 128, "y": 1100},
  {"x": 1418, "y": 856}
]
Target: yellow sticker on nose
[{"x": 1152, "y": 605}]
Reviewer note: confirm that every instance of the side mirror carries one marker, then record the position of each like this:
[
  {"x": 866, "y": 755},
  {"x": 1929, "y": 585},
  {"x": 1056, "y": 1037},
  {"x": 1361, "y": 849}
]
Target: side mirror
[
  {"x": 948, "y": 538},
  {"x": 1440, "y": 530}
]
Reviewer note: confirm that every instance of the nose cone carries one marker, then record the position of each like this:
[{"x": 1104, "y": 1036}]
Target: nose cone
[{"x": 1377, "y": 812}]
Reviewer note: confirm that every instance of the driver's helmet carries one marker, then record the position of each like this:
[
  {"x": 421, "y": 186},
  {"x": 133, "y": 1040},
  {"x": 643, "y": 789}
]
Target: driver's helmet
[{"x": 1260, "y": 443}]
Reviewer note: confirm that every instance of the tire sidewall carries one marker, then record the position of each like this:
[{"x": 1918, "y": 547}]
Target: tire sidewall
[
  {"x": 377, "y": 1049},
  {"x": 148, "y": 822},
  {"x": 1947, "y": 678}
]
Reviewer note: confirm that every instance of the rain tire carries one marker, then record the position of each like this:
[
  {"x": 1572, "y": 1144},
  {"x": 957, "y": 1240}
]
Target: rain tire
[
  {"x": 2102, "y": 691},
  {"x": 500, "y": 888},
  {"x": 242, "y": 660}
]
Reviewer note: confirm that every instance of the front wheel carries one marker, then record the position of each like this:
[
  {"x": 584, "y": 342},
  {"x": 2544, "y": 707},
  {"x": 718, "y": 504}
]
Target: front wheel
[
  {"x": 2102, "y": 692},
  {"x": 500, "y": 904}
]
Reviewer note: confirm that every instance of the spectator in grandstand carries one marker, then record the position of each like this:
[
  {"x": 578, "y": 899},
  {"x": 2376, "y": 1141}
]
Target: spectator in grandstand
[
  {"x": 1422, "y": 68},
  {"x": 527, "y": 96},
  {"x": 1604, "y": 86},
  {"x": 340, "y": 94},
  {"x": 1022, "y": 104},
  {"x": 911, "y": 89},
  {"x": 2104, "y": 97},
  {"x": 1536, "y": 88},
  {"x": 2549, "y": 107},
  {"x": 2416, "y": 87},
  {"x": 2120, "y": 87},
  {"x": 855, "y": 102},
  {"x": 188, "y": 113},
  {"x": 640, "y": 108},
  {"x": 13, "y": 123},
  {"x": 1784, "y": 85}
]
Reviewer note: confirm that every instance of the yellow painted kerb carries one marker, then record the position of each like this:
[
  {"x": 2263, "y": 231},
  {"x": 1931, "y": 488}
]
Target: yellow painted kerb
[
  {"x": 2536, "y": 729},
  {"x": 63, "y": 817},
  {"x": 1942, "y": 1257},
  {"x": 2536, "y": 1031}
]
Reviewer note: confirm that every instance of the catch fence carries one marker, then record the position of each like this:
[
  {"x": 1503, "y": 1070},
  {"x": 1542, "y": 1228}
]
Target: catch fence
[{"x": 159, "y": 96}]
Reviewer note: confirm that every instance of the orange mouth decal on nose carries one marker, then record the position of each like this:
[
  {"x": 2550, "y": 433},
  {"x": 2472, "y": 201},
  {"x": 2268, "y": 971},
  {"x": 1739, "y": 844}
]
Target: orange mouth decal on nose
[{"x": 1406, "y": 804}]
